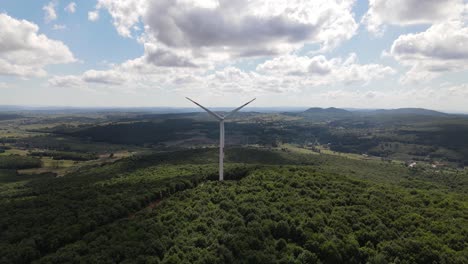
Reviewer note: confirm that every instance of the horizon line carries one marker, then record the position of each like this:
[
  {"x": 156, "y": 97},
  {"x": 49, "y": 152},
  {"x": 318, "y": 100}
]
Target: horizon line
[{"x": 64, "y": 107}]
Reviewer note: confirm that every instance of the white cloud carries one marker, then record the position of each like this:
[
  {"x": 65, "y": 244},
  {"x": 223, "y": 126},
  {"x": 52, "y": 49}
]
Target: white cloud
[
  {"x": 59, "y": 27},
  {"x": 441, "y": 48},
  {"x": 93, "y": 15},
  {"x": 161, "y": 56},
  {"x": 89, "y": 78},
  {"x": 24, "y": 52},
  {"x": 125, "y": 13},
  {"x": 3, "y": 85},
  {"x": 71, "y": 8},
  {"x": 65, "y": 81},
  {"x": 136, "y": 73},
  {"x": 250, "y": 28},
  {"x": 186, "y": 40},
  {"x": 428, "y": 54},
  {"x": 188, "y": 35},
  {"x": 318, "y": 70},
  {"x": 410, "y": 12},
  {"x": 49, "y": 10},
  {"x": 104, "y": 77},
  {"x": 286, "y": 73},
  {"x": 224, "y": 29}
]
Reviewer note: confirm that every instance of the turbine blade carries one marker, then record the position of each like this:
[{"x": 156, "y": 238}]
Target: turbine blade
[
  {"x": 239, "y": 108},
  {"x": 207, "y": 110}
]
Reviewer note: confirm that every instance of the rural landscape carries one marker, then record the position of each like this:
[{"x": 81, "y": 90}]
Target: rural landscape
[
  {"x": 320, "y": 185},
  {"x": 234, "y": 132}
]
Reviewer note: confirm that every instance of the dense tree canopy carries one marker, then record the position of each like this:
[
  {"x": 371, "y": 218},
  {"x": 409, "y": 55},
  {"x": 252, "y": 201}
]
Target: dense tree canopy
[{"x": 161, "y": 209}]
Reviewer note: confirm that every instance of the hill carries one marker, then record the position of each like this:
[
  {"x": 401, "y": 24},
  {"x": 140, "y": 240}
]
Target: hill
[
  {"x": 338, "y": 113},
  {"x": 408, "y": 111},
  {"x": 325, "y": 113}
]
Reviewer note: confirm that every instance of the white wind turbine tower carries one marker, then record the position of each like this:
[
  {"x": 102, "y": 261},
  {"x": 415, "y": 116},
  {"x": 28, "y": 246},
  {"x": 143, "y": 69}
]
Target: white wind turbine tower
[{"x": 221, "y": 119}]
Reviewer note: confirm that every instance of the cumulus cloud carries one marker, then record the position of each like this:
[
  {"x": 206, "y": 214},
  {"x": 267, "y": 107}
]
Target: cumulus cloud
[
  {"x": 93, "y": 15},
  {"x": 111, "y": 77},
  {"x": 285, "y": 73},
  {"x": 71, "y": 8},
  {"x": 92, "y": 81},
  {"x": 104, "y": 77},
  {"x": 161, "y": 56},
  {"x": 24, "y": 52},
  {"x": 441, "y": 48},
  {"x": 250, "y": 28},
  {"x": 221, "y": 29},
  {"x": 318, "y": 70},
  {"x": 410, "y": 12},
  {"x": 186, "y": 42},
  {"x": 49, "y": 10},
  {"x": 65, "y": 81},
  {"x": 428, "y": 54},
  {"x": 136, "y": 73},
  {"x": 125, "y": 13}
]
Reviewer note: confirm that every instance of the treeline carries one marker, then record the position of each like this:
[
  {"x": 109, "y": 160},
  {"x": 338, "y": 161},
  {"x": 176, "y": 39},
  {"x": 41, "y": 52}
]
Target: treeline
[
  {"x": 65, "y": 155},
  {"x": 139, "y": 133},
  {"x": 351, "y": 143},
  {"x": 17, "y": 162},
  {"x": 66, "y": 143},
  {"x": 5, "y": 116}
]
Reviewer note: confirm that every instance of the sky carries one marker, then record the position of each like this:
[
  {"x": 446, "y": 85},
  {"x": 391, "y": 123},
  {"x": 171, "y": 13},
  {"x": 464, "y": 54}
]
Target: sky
[{"x": 154, "y": 53}]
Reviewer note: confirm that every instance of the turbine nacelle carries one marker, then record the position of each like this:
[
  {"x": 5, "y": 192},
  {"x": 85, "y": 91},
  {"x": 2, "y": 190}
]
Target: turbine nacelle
[{"x": 221, "y": 118}]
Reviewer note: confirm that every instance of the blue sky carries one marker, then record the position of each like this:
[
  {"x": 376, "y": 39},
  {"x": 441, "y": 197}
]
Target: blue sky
[{"x": 377, "y": 54}]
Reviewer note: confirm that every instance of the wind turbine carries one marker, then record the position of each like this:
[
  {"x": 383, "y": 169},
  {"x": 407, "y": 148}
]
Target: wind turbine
[{"x": 221, "y": 119}]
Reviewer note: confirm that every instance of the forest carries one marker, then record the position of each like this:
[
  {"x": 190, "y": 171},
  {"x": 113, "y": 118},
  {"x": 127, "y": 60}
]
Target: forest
[{"x": 148, "y": 192}]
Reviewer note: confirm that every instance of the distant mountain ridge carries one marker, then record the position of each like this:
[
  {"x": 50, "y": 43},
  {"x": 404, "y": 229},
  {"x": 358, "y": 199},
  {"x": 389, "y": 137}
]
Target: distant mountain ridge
[
  {"x": 334, "y": 113},
  {"x": 410, "y": 111},
  {"x": 313, "y": 111},
  {"x": 413, "y": 111}
]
